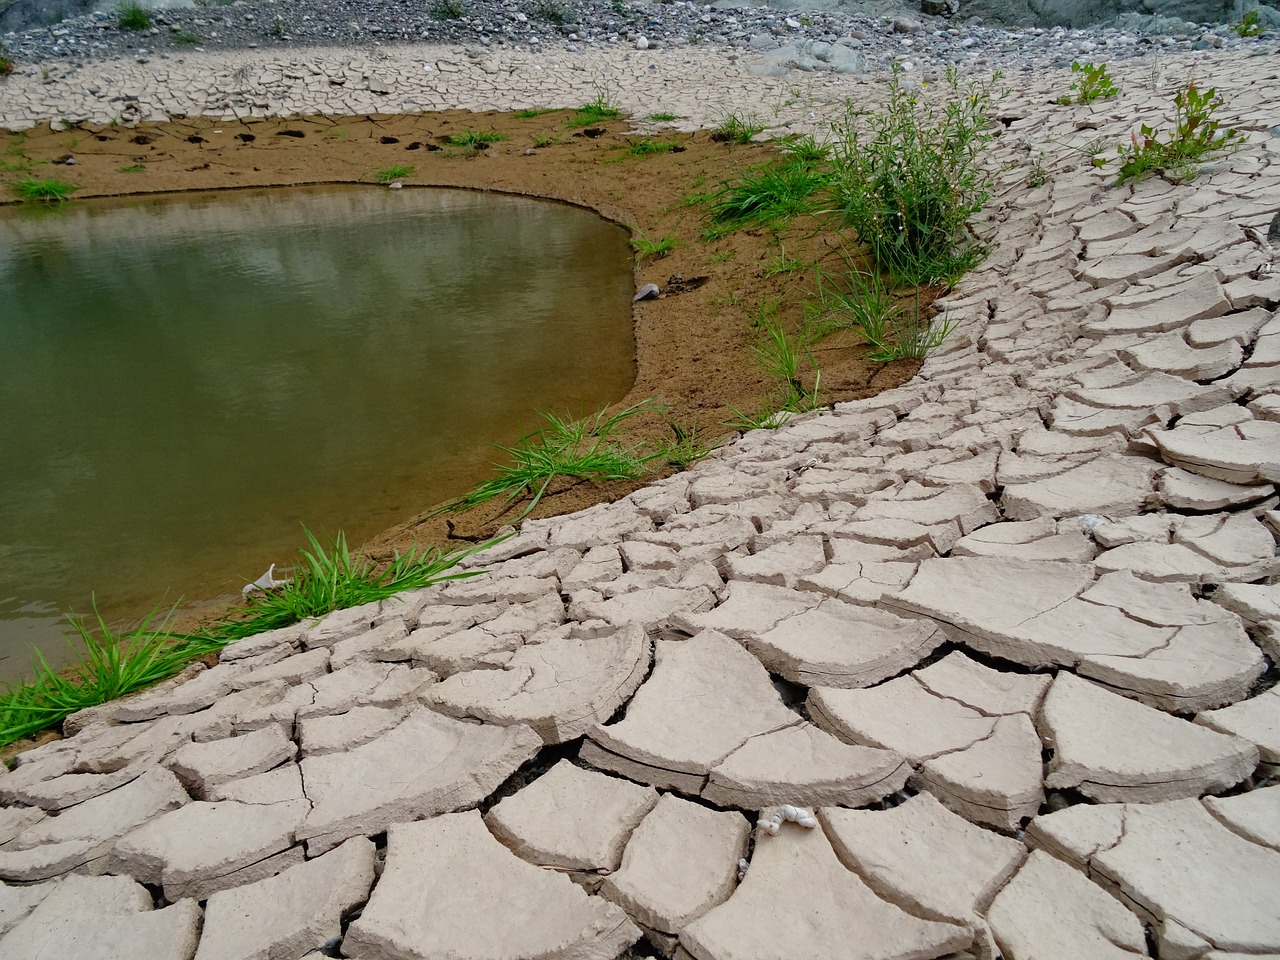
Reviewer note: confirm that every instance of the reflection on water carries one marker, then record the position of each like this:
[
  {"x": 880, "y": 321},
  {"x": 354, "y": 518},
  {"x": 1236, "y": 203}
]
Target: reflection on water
[{"x": 185, "y": 381}]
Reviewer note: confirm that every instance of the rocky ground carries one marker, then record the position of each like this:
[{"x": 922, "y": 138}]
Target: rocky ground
[
  {"x": 981, "y": 666},
  {"x": 866, "y": 42}
]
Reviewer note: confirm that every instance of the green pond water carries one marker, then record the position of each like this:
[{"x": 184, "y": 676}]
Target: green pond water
[{"x": 184, "y": 381}]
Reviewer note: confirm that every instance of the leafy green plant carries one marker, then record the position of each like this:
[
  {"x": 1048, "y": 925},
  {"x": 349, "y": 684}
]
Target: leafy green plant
[
  {"x": 397, "y": 172},
  {"x": 648, "y": 248},
  {"x": 909, "y": 178},
  {"x": 663, "y": 117},
  {"x": 738, "y": 128},
  {"x": 447, "y": 10},
  {"x": 589, "y": 448},
  {"x": 49, "y": 190},
  {"x": 279, "y": 27},
  {"x": 599, "y": 110},
  {"x": 767, "y": 196},
  {"x": 645, "y": 147},
  {"x": 133, "y": 168},
  {"x": 132, "y": 16},
  {"x": 1195, "y": 134},
  {"x": 332, "y": 578},
  {"x": 109, "y": 666},
  {"x": 1249, "y": 25},
  {"x": 475, "y": 139},
  {"x": 528, "y": 113},
  {"x": 553, "y": 11},
  {"x": 187, "y": 38},
  {"x": 6, "y": 63},
  {"x": 1094, "y": 83}
]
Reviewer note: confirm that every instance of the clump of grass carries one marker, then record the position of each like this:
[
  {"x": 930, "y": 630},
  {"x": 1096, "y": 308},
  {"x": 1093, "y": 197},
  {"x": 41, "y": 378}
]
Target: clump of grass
[
  {"x": 862, "y": 301},
  {"x": 109, "y": 666},
  {"x": 553, "y": 11},
  {"x": 544, "y": 140},
  {"x": 47, "y": 190},
  {"x": 909, "y": 178},
  {"x": 807, "y": 150},
  {"x": 475, "y": 139},
  {"x": 781, "y": 264},
  {"x": 663, "y": 117},
  {"x": 767, "y": 196},
  {"x": 1094, "y": 84},
  {"x": 738, "y": 128},
  {"x": 599, "y": 110},
  {"x": 187, "y": 38},
  {"x": 590, "y": 448},
  {"x": 528, "y": 113},
  {"x": 447, "y": 10},
  {"x": 645, "y": 147},
  {"x": 7, "y": 65},
  {"x": 776, "y": 354},
  {"x": 133, "y": 168},
  {"x": 685, "y": 449},
  {"x": 132, "y": 16},
  {"x": 1195, "y": 134},
  {"x": 332, "y": 578},
  {"x": 648, "y": 248},
  {"x": 397, "y": 172}
]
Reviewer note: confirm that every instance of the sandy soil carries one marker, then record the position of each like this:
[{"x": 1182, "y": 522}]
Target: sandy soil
[{"x": 693, "y": 348}]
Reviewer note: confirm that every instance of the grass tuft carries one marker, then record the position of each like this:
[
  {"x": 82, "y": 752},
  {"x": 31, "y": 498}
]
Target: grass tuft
[
  {"x": 652, "y": 249},
  {"x": 36, "y": 190},
  {"x": 474, "y": 139},
  {"x": 110, "y": 666},
  {"x": 645, "y": 147},
  {"x": 738, "y": 128},
  {"x": 599, "y": 110},
  {"x": 528, "y": 113},
  {"x": 590, "y": 448},
  {"x": 132, "y": 16},
  {"x": 767, "y": 197},
  {"x": 398, "y": 172},
  {"x": 329, "y": 579}
]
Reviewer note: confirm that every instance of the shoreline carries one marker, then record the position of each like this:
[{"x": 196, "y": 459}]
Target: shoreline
[{"x": 592, "y": 173}]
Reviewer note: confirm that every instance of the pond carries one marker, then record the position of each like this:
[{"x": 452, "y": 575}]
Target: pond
[{"x": 186, "y": 380}]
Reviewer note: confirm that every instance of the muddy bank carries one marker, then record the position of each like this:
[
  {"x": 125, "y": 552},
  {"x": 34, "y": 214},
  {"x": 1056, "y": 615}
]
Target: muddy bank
[{"x": 693, "y": 343}]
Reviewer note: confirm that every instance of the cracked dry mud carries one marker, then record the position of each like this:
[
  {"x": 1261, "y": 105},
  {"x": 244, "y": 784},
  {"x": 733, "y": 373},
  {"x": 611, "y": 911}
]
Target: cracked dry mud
[{"x": 1010, "y": 628}]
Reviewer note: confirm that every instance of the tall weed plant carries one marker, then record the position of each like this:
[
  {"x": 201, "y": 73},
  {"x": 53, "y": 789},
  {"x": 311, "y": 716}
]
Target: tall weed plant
[{"x": 909, "y": 177}]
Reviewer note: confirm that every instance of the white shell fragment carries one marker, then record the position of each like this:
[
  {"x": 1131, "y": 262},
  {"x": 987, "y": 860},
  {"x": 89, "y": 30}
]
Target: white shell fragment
[
  {"x": 771, "y": 821},
  {"x": 265, "y": 582}
]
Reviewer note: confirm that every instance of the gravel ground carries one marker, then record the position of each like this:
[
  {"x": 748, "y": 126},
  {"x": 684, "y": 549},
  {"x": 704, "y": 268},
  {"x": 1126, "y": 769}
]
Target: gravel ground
[{"x": 577, "y": 25}]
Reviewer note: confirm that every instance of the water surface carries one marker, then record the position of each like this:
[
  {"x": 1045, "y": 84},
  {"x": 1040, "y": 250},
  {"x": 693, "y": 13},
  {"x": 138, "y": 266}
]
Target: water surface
[{"x": 186, "y": 380}]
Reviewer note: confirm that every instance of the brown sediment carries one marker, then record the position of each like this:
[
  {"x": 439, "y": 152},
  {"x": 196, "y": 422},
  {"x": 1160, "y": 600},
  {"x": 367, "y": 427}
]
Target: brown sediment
[{"x": 693, "y": 348}]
